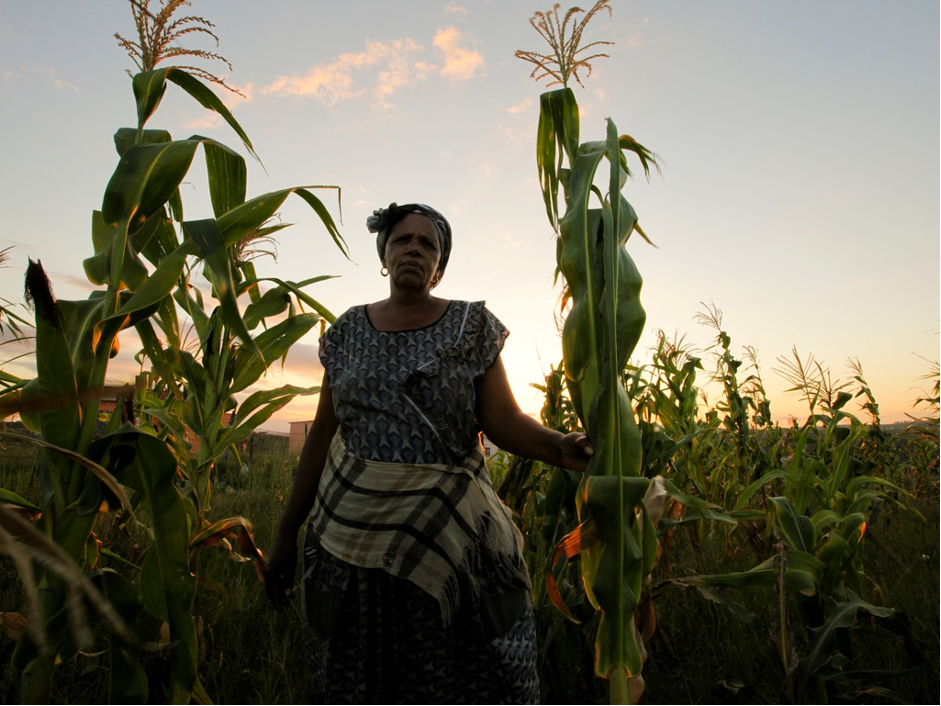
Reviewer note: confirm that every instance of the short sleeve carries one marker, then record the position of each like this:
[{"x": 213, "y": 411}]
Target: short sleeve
[
  {"x": 331, "y": 344},
  {"x": 491, "y": 336}
]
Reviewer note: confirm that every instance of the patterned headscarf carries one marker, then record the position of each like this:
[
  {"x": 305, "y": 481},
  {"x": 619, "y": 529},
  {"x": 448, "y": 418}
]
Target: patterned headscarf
[{"x": 384, "y": 219}]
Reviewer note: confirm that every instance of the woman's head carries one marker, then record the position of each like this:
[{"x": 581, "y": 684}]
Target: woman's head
[{"x": 383, "y": 221}]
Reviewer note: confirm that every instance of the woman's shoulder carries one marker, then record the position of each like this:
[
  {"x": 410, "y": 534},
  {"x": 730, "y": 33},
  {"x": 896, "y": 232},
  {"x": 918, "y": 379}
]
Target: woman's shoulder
[
  {"x": 350, "y": 319},
  {"x": 476, "y": 325},
  {"x": 475, "y": 313},
  {"x": 475, "y": 308},
  {"x": 351, "y": 315}
]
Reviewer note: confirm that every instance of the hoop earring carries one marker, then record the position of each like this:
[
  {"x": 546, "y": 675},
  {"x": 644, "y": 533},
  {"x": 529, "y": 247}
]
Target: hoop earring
[{"x": 383, "y": 271}]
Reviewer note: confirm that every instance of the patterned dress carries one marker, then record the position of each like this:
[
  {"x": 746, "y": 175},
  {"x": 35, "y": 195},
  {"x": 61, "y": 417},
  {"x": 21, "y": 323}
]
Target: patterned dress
[{"x": 409, "y": 397}]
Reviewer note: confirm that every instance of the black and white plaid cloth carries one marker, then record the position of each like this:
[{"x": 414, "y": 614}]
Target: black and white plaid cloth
[{"x": 439, "y": 526}]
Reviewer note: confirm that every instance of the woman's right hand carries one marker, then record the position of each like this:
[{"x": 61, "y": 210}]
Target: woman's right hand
[
  {"x": 279, "y": 571},
  {"x": 575, "y": 451}
]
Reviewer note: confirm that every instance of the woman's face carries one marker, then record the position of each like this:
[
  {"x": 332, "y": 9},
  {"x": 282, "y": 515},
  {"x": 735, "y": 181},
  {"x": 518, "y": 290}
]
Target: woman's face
[{"x": 413, "y": 252}]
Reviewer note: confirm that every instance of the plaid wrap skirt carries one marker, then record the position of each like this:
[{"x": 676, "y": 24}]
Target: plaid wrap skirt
[{"x": 375, "y": 638}]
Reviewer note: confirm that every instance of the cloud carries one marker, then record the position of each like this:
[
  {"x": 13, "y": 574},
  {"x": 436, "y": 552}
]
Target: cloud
[
  {"x": 59, "y": 83},
  {"x": 510, "y": 243},
  {"x": 45, "y": 73},
  {"x": 304, "y": 362},
  {"x": 13, "y": 345},
  {"x": 206, "y": 121},
  {"x": 522, "y": 107},
  {"x": 63, "y": 280},
  {"x": 380, "y": 70},
  {"x": 454, "y": 9},
  {"x": 519, "y": 137},
  {"x": 460, "y": 63},
  {"x": 635, "y": 41}
]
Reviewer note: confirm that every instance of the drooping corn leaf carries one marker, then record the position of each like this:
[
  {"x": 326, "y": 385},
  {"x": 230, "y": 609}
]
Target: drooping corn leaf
[
  {"x": 98, "y": 471},
  {"x": 558, "y": 130},
  {"x": 582, "y": 538},
  {"x": 209, "y": 100},
  {"x": 240, "y": 529}
]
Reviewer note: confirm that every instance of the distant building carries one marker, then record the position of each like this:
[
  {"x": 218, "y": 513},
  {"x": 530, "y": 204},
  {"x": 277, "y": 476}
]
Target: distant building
[{"x": 298, "y": 435}]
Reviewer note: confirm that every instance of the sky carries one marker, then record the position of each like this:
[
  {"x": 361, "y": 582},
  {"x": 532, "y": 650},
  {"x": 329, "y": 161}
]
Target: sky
[{"x": 798, "y": 143}]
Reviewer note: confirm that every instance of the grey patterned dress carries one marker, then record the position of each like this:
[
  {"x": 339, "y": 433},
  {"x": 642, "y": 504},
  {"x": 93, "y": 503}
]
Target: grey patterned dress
[{"x": 409, "y": 397}]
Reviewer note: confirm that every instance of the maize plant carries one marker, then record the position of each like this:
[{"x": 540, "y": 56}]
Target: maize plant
[
  {"x": 144, "y": 255},
  {"x": 817, "y": 578},
  {"x": 617, "y": 537}
]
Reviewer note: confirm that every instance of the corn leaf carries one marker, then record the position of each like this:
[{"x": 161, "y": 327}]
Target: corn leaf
[
  {"x": 149, "y": 87},
  {"x": 145, "y": 178},
  {"x": 209, "y": 100},
  {"x": 295, "y": 288},
  {"x": 160, "y": 283},
  {"x": 8, "y": 496},
  {"x": 558, "y": 130},
  {"x": 579, "y": 540},
  {"x": 227, "y": 176},
  {"x": 208, "y": 239},
  {"x": 238, "y": 528},
  {"x": 126, "y": 137},
  {"x": 843, "y": 616},
  {"x": 797, "y": 530},
  {"x": 168, "y": 588},
  {"x": 251, "y": 363},
  {"x": 324, "y": 214},
  {"x": 56, "y": 386},
  {"x": 98, "y": 471}
]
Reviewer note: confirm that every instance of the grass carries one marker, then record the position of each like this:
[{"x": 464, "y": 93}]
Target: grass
[{"x": 699, "y": 652}]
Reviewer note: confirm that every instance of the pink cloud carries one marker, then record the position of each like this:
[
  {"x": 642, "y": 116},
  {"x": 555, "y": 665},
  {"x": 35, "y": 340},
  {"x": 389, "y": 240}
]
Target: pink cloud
[
  {"x": 460, "y": 63},
  {"x": 380, "y": 70}
]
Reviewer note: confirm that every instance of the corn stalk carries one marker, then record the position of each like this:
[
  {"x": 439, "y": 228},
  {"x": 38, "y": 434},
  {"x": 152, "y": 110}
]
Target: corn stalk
[{"x": 617, "y": 537}]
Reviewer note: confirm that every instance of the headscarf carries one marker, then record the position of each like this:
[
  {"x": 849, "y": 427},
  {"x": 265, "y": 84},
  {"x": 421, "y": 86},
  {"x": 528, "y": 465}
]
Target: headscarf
[{"x": 384, "y": 219}]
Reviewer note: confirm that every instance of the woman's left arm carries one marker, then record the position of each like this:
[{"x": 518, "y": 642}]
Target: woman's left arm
[{"x": 511, "y": 429}]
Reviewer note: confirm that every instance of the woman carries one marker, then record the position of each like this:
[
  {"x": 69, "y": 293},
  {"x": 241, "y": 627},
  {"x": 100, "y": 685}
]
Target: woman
[{"x": 414, "y": 585}]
